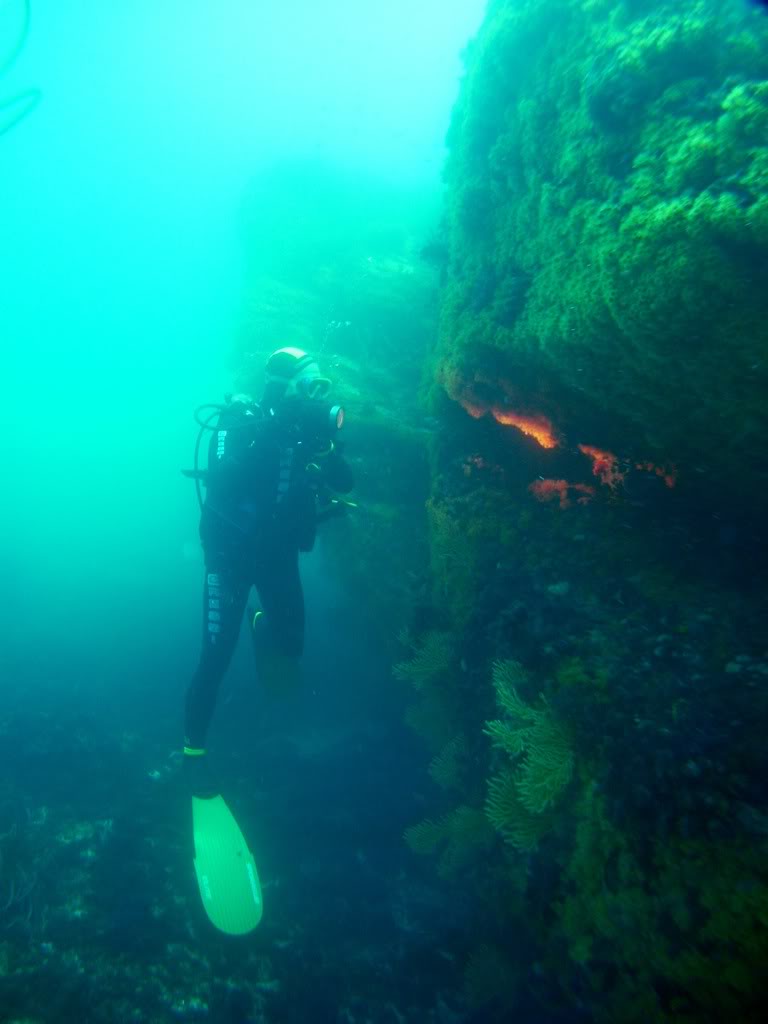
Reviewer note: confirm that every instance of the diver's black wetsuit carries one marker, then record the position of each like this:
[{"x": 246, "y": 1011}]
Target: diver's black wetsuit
[{"x": 264, "y": 480}]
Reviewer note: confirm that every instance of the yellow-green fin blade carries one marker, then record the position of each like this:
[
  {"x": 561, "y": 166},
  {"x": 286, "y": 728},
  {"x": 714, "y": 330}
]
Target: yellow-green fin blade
[{"x": 225, "y": 868}]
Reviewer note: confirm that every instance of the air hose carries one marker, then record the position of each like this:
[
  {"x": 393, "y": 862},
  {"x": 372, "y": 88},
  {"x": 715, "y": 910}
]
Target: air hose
[
  {"x": 18, "y": 46},
  {"x": 16, "y": 108},
  {"x": 20, "y": 105},
  {"x": 204, "y": 423}
]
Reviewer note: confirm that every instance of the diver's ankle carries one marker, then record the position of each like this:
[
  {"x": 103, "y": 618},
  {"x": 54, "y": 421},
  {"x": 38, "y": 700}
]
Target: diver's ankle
[{"x": 200, "y": 780}]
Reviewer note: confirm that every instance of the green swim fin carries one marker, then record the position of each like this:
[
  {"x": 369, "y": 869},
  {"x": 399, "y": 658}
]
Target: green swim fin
[{"x": 225, "y": 868}]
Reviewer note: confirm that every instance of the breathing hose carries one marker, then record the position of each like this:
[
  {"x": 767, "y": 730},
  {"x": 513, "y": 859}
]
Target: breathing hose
[
  {"x": 16, "y": 107},
  {"x": 205, "y": 424}
]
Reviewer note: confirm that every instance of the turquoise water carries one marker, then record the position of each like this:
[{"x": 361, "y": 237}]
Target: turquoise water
[
  {"x": 185, "y": 186},
  {"x": 124, "y": 255}
]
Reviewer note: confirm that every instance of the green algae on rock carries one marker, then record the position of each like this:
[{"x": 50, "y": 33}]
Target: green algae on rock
[{"x": 607, "y": 224}]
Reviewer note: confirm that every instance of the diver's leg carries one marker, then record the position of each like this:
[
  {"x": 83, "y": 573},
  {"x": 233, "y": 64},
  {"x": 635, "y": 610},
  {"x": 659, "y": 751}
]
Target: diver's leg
[
  {"x": 278, "y": 632},
  {"x": 224, "y": 595}
]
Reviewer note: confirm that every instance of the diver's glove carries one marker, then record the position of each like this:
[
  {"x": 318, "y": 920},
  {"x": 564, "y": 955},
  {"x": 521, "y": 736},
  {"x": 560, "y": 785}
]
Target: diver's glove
[{"x": 335, "y": 508}]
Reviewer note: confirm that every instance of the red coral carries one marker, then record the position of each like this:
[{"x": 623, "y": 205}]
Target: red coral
[{"x": 549, "y": 490}]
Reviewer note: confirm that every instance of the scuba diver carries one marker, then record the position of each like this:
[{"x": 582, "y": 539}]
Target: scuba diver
[{"x": 274, "y": 471}]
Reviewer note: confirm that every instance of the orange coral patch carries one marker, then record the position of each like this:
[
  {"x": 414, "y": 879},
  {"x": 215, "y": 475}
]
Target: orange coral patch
[
  {"x": 562, "y": 491},
  {"x": 605, "y": 465},
  {"x": 667, "y": 473},
  {"x": 537, "y": 427}
]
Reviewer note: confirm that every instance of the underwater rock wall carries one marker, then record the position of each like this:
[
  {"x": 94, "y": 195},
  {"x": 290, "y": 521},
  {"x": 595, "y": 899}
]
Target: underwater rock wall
[
  {"x": 590, "y": 683},
  {"x": 607, "y": 228}
]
